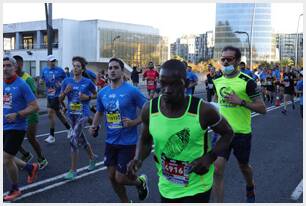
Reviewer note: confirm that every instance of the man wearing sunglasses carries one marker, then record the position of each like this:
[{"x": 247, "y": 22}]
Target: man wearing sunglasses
[{"x": 238, "y": 96}]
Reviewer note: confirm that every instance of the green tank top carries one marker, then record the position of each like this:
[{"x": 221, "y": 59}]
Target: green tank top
[
  {"x": 239, "y": 117},
  {"x": 177, "y": 142},
  {"x": 30, "y": 81}
]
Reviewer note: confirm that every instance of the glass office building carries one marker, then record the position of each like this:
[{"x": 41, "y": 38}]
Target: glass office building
[
  {"x": 135, "y": 48},
  {"x": 236, "y": 21}
]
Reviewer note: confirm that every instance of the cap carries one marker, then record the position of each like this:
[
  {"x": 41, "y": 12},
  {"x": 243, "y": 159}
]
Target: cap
[{"x": 51, "y": 58}]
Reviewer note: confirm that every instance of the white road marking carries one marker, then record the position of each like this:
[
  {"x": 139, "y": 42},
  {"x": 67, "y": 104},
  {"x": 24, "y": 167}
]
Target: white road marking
[
  {"x": 82, "y": 169},
  {"x": 297, "y": 192}
]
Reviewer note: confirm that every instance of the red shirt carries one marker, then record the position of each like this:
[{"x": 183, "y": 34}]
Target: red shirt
[
  {"x": 151, "y": 75},
  {"x": 101, "y": 83}
]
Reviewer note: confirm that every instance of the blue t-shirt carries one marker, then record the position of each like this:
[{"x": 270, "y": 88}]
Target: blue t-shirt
[
  {"x": 53, "y": 78},
  {"x": 116, "y": 104},
  {"x": 16, "y": 97},
  {"x": 276, "y": 74},
  {"x": 263, "y": 76},
  {"x": 299, "y": 87},
  {"x": 91, "y": 74},
  {"x": 75, "y": 105},
  {"x": 247, "y": 72},
  {"x": 192, "y": 77}
]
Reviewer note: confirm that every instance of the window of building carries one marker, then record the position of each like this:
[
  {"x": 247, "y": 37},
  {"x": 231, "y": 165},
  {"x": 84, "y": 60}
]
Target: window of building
[
  {"x": 30, "y": 67},
  {"x": 9, "y": 43},
  {"x": 28, "y": 42}
]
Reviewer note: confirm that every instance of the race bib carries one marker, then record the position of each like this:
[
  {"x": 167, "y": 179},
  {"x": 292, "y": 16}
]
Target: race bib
[
  {"x": 7, "y": 101},
  {"x": 175, "y": 171},
  {"x": 151, "y": 83},
  {"x": 76, "y": 108},
  {"x": 114, "y": 120},
  {"x": 210, "y": 86},
  {"x": 51, "y": 91},
  {"x": 269, "y": 83}
]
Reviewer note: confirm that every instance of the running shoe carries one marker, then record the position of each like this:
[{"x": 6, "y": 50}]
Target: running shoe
[
  {"x": 42, "y": 163},
  {"x": 69, "y": 134},
  {"x": 71, "y": 175},
  {"x": 250, "y": 195},
  {"x": 12, "y": 195},
  {"x": 32, "y": 177},
  {"x": 92, "y": 163},
  {"x": 50, "y": 139},
  {"x": 143, "y": 189},
  {"x": 27, "y": 158}
]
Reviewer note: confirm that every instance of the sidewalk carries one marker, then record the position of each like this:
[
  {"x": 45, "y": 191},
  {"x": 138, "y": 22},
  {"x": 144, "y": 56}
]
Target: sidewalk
[{"x": 42, "y": 102}]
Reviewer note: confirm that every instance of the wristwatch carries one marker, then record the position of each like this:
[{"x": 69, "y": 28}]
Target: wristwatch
[{"x": 243, "y": 103}]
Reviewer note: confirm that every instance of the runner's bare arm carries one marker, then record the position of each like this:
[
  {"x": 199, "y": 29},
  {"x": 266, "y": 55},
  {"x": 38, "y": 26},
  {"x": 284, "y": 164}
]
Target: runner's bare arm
[{"x": 209, "y": 117}]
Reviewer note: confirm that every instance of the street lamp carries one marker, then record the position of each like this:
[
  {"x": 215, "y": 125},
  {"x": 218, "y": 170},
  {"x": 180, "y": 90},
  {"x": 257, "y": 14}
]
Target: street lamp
[
  {"x": 243, "y": 32},
  {"x": 296, "y": 41},
  {"x": 113, "y": 42}
]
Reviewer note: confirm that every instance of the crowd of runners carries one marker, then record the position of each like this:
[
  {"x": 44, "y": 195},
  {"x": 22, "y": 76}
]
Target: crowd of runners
[{"x": 190, "y": 162}]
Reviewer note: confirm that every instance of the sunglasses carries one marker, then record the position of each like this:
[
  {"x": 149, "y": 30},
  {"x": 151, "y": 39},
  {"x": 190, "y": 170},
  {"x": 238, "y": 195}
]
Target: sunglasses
[{"x": 228, "y": 59}]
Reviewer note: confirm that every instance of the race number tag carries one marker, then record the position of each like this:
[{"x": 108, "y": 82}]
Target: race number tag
[
  {"x": 175, "y": 171},
  {"x": 269, "y": 83},
  {"x": 151, "y": 83},
  {"x": 114, "y": 120},
  {"x": 210, "y": 86},
  {"x": 76, "y": 108},
  {"x": 51, "y": 91},
  {"x": 7, "y": 101}
]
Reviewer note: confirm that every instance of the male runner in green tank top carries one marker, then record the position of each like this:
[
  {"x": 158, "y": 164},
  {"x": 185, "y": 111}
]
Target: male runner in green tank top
[
  {"x": 32, "y": 120},
  {"x": 237, "y": 95},
  {"x": 177, "y": 125}
]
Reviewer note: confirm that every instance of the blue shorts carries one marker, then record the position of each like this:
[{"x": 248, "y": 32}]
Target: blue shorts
[
  {"x": 241, "y": 145},
  {"x": 118, "y": 156}
]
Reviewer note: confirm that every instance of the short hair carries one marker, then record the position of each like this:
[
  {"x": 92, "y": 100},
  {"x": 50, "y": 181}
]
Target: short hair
[
  {"x": 18, "y": 58},
  {"x": 242, "y": 63},
  {"x": 80, "y": 59},
  {"x": 174, "y": 64},
  {"x": 12, "y": 60},
  {"x": 235, "y": 49},
  {"x": 117, "y": 60}
]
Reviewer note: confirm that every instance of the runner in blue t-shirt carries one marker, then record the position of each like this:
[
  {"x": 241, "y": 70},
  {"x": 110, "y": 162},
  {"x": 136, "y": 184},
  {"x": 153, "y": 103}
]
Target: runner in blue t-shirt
[
  {"x": 299, "y": 88},
  {"x": 79, "y": 91},
  {"x": 18, "y": 102},
  {"x": 118, "y": 103},
  {"x": 192, "y": 81},
  {"x": 53, "y": 77}
]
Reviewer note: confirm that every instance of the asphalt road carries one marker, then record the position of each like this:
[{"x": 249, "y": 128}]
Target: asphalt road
[{"x": 277, "y": 160}]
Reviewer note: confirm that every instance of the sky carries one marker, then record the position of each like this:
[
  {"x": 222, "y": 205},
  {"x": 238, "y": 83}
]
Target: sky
[{"x": 172, "y": 19}]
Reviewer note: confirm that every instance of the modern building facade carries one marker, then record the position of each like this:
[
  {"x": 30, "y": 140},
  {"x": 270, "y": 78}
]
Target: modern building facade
[
  {"x": 235, "y": 22},
  {"x": 286, "y": 46},
  {"x": 194, "y": 48},
  {"x": 96, "y": 40}
]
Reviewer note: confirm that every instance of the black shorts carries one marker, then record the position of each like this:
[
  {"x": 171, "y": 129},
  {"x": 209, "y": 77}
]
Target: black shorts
[
  {"x": 289, "y": 90},
  {"x": 12, "y": 141},
  {"x": 198, "y": 198},
  {"x": 241, "y": 144},
  {"x": 53, "y": 103},
  {"x": 270, "y": 88},
  {"x": 119, "y": 156}
]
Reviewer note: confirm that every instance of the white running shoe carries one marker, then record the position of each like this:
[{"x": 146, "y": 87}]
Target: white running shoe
[
  {"x": 69, "y": 133},
  {"x": 50, "y": 139}
]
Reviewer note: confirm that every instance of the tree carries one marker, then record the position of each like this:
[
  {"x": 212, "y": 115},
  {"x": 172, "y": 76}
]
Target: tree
[{"x": 286, "y": 62}]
